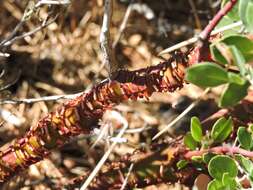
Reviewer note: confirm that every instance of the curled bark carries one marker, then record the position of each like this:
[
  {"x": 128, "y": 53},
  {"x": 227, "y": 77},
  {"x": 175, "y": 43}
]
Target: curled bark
[{"x": 80, "y": 114}]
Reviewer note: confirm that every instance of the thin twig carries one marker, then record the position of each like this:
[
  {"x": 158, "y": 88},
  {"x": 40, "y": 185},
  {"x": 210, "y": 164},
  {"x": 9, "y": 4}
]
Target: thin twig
[
  {"x": 104, "y": 158},
  {"x": 123, "y": 24},
  {"x": 34, "y": 100},
  {"x": 105, "y": 40},
  {"x": 195, "y": 14},
  {"x": 17, "y": 76},
  {"x": 51, "y": 2},
  {"x": 127, "y": 177},
  {"x": 12, "y": 40},
  {"x": 13, "y": 33},
  {"x": 180, "y": 116},
  {"x": 29, "y": 11},
  {"x": 195, "y": 39}
]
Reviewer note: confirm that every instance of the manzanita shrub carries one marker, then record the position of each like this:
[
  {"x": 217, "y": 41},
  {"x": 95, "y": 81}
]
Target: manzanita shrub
[
  {"x": 224, "y": 152},
  {"x": 230, "y": 66}
]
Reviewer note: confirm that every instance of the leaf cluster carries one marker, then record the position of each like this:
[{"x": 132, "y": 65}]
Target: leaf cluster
[{"x": 231, "y": 55}]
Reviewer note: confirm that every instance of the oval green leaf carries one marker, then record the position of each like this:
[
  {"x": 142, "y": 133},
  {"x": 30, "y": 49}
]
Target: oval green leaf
[
  {"x": 206, "y": 74},
  {"x": 221, "y": 129},
  {"x": 229, "y": 182},
  {"x": 239, "y": 60},
  {"x": 190, "y": 142},
  {"x": 249, "y": 17},
  {"x": 215, "y": 185},
  {"x": 219, "y": 165},
  {"x": 245, "y": 163},
  {"x": 242, "y": 10},
  {"x": 244, "y": 138},
  {"x": 196, "y": 129},
  {"x": 233, "y": 93},
  {"x": 242, "y": 43}
]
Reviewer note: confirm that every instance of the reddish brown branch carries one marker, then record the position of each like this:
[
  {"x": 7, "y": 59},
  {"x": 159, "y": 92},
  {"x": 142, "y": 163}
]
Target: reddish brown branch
[
  {"x": 220, "y": 150},
  {"x": 158, "y": 165},
  {"x": 80, "y": 114},
  {"x": 205, "y": 34}
]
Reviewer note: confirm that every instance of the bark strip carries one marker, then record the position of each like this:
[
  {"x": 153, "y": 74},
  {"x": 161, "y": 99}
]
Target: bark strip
[{"x": 80, "y": 114}]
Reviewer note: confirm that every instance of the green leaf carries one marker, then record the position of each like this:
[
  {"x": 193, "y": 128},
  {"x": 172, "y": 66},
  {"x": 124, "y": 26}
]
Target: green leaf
[
  {"x": 235, "y": 78},
  {"x": 233, "y": 93},
  {"x": 221, "y": 129},
  {"x": 234, "y": 13},
  {"x": 244, "y": 137},
  {"x": 190, "y": 142},
  {"x": 251, "y": 128},
  {"x": 249, "y": 17},
  {"x": 206, "y": 74},
  {"x": 215, "y": 185},
  {"x": 207, "y": 157},
  {"x": 245, "y": 163},
  {"x": 181, "y": 164},
  {"x": 242, "y": 9},
  {"x": 222, "y": 54},
  {"x": 196, "y": 129},
  {"x": 239, "y": 60},
  {"x": 229, "y": 182},
  {"x": 220, "y": 165},
  {"x": 243, "y": 4},
  {"x": 242, "y": 43}
]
